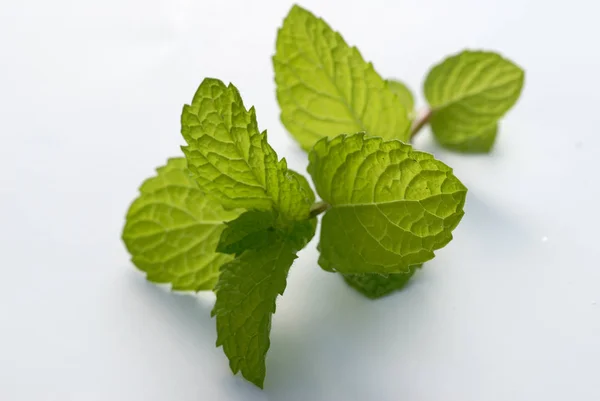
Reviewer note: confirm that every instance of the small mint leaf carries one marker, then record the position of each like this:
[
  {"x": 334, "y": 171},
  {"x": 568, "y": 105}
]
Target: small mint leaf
[
  {"x": 246, "y": 293},
  {"x": 251, "y": 230},
  {"x": 379, "y": 285},
  {"x": 172, "y": 230},
  {"x": 300, "y": 233},
  {"x": 404, "y": 94},
  {"x": 468, "y": 94},
  {"x": 479, "y": 141}
]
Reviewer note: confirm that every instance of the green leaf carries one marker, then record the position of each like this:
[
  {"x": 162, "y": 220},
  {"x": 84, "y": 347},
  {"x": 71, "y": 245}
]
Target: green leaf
[
  {"x": 249, "y": 284},
  {"x": 308, "y": 196},
  {"x": 378, "y": 285},
  {"x": 231, "y": 159},
  {"x": 326, "y": 88},
  {"x": 391, "y": 206},
  {"x": 300, "y": 233},
  {"x": 172, "y": 230},
  {"x": 468, "y": 93},
  {"x": 251, "y": 230},
  {"x": 404, "y": 95},
  {"x": 246, "y": 293},
  {"x": 255, "y": 229},
  {"x": 481, "y": 141}
]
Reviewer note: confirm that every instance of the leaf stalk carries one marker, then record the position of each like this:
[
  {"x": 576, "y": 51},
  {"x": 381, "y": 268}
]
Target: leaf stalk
[
  {"x": 319, "y": 207},
  {"x": 420, "y": 123}
]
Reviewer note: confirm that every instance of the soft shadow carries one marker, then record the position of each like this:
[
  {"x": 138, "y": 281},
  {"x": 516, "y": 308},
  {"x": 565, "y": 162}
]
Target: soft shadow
[
  {"x": 487, "y": 230},
  {"x": 330, "y": 349},
  {"x": 328, "y": 341},
  {"x": 189, "y": 310},
  {"x": 188, "y": 316},
  {"x": 341, "y": 345}
]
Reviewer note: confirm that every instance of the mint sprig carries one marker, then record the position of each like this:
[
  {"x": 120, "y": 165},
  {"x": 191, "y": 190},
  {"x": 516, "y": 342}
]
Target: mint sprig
[{"x": 231, "y": 217}]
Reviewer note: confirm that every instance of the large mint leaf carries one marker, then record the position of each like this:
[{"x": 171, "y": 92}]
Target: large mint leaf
[
  {"x": 246, "y": 293},
  {"x": 326, "y": 88},
  {"x": 232, "y": 161},
  {"x": 391, "y": 206},
  {"x": 172, "y": 230},
  {"x": 468, "y": 94}
]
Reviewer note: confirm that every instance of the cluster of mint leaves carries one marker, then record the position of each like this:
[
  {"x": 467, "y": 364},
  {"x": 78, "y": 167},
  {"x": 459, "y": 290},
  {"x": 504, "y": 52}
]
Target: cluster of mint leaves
[{"x": 230, "y": 216}]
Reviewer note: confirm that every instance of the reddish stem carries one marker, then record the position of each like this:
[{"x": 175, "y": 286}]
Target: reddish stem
[{"x": 420, "y": 124}]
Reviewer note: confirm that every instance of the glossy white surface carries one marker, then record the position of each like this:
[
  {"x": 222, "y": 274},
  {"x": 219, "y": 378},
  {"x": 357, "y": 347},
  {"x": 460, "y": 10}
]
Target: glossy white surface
[{"x": 90, "y": 97}]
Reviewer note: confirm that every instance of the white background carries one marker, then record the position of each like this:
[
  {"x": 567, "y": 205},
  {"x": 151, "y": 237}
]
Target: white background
[{"x": 90, "y": 99}]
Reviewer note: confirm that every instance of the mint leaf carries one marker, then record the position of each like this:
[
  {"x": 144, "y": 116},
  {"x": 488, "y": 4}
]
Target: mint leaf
[
  {"x": 326, "y": 88},
  {"x": 378, "y": 285},
  {"x": 231, "y": 159},
  {"x": 251, "y": 230},
  {"x": 299, "y": 234},
  {"x": 391, "y": 206},
  {"x": 249, "y": 284},
  {"x": 246, "y": 293},
  {"x": 404, "y": 94},
  {"x": 255, "y": 229},
  {"x": 468, "y": 93},
  {"x": 478, "y": 141},
  {"x": 172, "y": 230}
]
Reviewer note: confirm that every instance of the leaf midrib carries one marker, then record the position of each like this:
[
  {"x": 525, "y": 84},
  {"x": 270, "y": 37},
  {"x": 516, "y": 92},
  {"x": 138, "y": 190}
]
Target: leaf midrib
[
  {"x": 336, "y": 205},
  {"x": 471, "y": 94}
]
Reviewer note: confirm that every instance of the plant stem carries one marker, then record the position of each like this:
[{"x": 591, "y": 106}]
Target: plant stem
[
  {"x": 420, "y": 124},
  {"x": 318, "y": 208}
]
